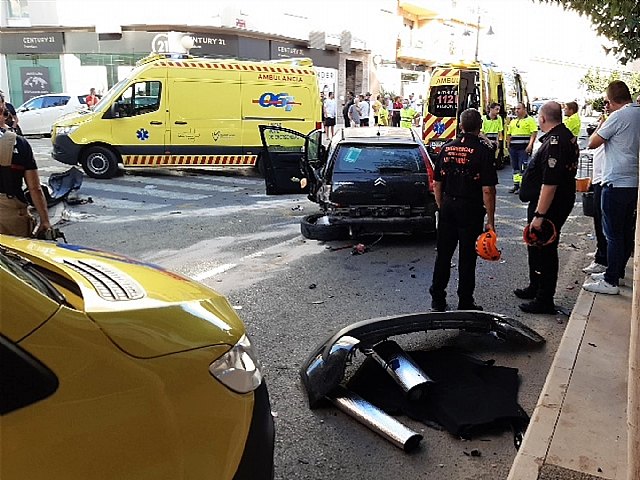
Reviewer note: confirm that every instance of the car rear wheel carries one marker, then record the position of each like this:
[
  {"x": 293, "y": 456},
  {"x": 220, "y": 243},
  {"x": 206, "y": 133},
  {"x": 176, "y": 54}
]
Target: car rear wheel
[
  {"x": 317, "y": 227},
  {"x": 100, "y": 162}
]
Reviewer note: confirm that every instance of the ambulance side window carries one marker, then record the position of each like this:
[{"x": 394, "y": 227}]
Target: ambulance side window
[{"x": 138, "y": 99}]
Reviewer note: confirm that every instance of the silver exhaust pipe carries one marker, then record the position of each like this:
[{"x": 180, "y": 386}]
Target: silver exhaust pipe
[
  {"x": 375, "y": 419},
  {"x": 402, "y": 369}
]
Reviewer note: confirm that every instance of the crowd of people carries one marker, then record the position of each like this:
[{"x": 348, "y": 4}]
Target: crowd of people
[{"x": 364, "y": 110}]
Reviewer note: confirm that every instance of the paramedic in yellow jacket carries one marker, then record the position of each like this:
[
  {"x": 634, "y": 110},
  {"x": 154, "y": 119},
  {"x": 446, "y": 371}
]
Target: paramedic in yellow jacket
[
  {"x": 571, "y": 118},
  {"x": 408, "y": 114},
  {"x": 521, "y": 135},
  {"x": 493, "y": 128}
]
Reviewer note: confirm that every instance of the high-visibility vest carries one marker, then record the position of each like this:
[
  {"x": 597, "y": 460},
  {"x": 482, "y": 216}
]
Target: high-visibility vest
[
  {"x": 406, "y": 117},
  {"x": 573, "y": 123},
  {"x": 521, "y": 129},
  {"x": 492, "y": 128},
  {"x": 383, "y": 117}
]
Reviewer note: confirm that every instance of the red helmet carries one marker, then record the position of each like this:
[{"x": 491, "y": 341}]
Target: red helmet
[
  {"x": 486, "y": 246},
  {"x": 540, "y": 238}
]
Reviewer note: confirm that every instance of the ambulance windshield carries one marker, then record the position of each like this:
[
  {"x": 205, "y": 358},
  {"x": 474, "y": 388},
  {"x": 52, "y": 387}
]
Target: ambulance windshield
[{"x": 110, "y": 94}]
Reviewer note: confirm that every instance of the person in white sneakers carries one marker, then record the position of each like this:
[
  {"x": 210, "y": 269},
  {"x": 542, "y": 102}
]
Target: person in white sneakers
[
  {"x": 599, "y": 263},
  {"x": 620, "y": 135}
]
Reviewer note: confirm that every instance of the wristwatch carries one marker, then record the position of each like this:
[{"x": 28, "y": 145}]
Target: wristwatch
[{"x": 537, "y": 214}]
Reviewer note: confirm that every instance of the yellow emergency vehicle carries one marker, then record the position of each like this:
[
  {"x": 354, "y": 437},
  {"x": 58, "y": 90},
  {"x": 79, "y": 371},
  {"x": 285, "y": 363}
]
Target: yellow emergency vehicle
[
  {"x": 189, "y": 112},
  {"x": 455, "y": 87}
]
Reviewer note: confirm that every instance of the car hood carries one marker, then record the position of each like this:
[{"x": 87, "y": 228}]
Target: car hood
[{"x": 146, "y": 310}]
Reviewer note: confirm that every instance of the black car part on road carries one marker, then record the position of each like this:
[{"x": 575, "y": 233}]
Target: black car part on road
[
  {"x": 317, "y": 227},
  {"x": 323, "y": 372},
  {"x": 325, "y": 367}
]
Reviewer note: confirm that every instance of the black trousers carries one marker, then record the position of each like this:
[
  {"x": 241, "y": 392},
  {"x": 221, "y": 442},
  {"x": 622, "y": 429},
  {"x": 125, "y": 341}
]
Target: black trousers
[
  {"x": 543, "y": 261},
  {"x": 601, "y": 240},
  {"x": 460, "y": 222}
]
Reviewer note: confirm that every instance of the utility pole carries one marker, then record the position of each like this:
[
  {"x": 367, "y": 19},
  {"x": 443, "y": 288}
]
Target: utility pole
[{"x": 477, "y": 36}]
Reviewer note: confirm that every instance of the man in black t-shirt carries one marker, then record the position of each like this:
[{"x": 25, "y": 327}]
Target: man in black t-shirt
[
  {"x": 465, "y": 179},
  {"x": 549, "y": 185},
  {"x": 17, "y": 164}
]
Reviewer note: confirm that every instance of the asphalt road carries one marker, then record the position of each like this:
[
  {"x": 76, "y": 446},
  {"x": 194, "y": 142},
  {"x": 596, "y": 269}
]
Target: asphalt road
[{"x": 292, "y": 293}]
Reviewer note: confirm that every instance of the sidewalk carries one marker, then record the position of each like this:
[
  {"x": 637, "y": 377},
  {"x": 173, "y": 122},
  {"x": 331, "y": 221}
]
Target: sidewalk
[{"x": 578, "y": 429}]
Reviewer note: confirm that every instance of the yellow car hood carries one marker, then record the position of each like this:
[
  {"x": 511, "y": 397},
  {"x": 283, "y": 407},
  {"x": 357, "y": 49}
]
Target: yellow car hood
[{"x": 146, "y": 310}]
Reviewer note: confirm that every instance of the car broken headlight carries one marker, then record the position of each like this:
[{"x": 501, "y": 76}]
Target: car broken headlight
[{"x": 239, "y": 368}]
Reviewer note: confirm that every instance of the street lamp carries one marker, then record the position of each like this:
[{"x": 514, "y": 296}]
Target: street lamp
[{"x": 489, "y": 32}]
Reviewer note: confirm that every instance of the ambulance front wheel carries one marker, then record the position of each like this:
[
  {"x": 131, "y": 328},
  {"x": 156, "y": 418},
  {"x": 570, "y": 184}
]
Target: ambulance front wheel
[{"x": 100, "y": 162}]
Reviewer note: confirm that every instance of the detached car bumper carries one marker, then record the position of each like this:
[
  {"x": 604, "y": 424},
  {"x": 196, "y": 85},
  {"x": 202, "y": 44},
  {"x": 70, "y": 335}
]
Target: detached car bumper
[
  {"x": 65, "y": 150},
  {"x": 324, "y": 370}
]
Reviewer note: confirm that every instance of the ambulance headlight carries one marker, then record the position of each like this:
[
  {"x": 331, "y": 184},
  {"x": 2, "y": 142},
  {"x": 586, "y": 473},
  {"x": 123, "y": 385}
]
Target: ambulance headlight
[
  {"x": 66, "y": 130},
  {"x": 239, "y": 368}
]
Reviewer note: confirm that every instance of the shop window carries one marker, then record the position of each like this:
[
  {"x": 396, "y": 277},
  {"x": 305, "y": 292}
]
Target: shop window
[{"x": 17, "y": 9}]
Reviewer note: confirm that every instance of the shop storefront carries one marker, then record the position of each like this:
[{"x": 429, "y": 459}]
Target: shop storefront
[{"x": 38, "y": 63}]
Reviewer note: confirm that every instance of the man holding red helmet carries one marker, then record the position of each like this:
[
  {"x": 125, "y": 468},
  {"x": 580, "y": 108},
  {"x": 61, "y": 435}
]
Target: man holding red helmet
[{"x": 549, "y": 185}]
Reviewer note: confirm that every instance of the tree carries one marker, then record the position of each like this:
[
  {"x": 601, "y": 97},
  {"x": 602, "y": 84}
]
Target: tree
[
  {"x": 596, "y": 82},
  {"x": 618, "y": 20}
]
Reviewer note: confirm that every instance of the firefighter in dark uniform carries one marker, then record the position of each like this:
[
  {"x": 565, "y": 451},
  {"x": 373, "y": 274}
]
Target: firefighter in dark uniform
[
  {"x": 17, "y": 164},
  {"x": 549, "y": 185},
  {"x": 465, "y": 190}
]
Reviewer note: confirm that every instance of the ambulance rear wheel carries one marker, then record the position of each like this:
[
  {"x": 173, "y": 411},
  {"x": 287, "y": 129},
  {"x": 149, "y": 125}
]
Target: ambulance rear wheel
[{"x": 100, "y": 162}]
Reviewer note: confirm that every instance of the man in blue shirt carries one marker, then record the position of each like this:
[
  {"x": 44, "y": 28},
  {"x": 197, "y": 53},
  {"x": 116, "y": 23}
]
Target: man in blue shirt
[{"x": 621, "y": 138}]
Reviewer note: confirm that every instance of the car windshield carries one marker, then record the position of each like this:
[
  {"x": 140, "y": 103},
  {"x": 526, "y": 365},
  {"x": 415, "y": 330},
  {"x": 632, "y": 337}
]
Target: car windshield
[
  {"x": 26, "y": 271},
  {"x": 379, "y": 159}
]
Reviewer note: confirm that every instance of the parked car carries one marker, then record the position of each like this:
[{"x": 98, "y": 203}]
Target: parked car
[
  {"x": 113, "y": 368},
  {"x": 368, "y": 180},
  {"x": 38, "y": 114}
]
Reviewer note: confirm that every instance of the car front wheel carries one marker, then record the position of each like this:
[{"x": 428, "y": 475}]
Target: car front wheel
[{"x": 100, "y": 162}]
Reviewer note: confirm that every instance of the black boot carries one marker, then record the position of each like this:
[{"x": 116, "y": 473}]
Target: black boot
[
  {"x": 527, "y": 293},
  {"x": 515, "y": 189},
  {"x": 539, "y": 306}
]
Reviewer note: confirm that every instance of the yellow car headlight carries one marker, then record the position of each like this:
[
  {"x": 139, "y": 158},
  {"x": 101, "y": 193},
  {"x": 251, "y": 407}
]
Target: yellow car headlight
[
  {"x": 66, "y": 130},
  {"x": 239, "y": 368}
]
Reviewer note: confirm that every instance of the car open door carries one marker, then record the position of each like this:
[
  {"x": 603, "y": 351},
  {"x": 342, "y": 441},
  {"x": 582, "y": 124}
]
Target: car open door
[{"x": 289, "y": 157}]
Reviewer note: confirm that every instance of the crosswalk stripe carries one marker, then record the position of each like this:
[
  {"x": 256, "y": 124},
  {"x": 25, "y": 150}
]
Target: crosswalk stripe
[
  {"x": 180, "y": 183},
  {"x": 111, "y": 187}
]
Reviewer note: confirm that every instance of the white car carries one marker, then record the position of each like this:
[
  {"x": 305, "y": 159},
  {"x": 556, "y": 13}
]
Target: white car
[{"x": 38, "y": 114}]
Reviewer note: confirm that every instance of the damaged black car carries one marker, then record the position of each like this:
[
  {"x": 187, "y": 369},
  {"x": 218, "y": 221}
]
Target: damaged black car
[{"x": 368, "y": 180}]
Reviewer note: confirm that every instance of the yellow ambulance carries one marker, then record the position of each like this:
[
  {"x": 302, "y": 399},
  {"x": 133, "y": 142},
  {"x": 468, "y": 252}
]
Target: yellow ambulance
[
  {"x": 455, "y": 87},
  {"x": 189, "y": 112}
]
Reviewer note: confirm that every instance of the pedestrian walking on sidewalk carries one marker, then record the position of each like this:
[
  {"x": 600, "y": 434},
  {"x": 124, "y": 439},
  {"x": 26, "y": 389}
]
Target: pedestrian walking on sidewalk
[
  {"x": 620, "y": 135},
  {"x": 549, "y": 185},
  {"x": 17, "y": 164},
  {"x": 465, "y": 190}
]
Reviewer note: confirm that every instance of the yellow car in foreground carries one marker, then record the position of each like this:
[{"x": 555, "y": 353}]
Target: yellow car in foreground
[{"x": 115, "y": 369}]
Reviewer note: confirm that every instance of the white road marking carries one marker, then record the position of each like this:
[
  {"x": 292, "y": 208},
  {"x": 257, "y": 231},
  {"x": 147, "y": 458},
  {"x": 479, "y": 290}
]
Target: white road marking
[
  {"x": 179, "y": 182},
  {"x": 110, "y": 187}
]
